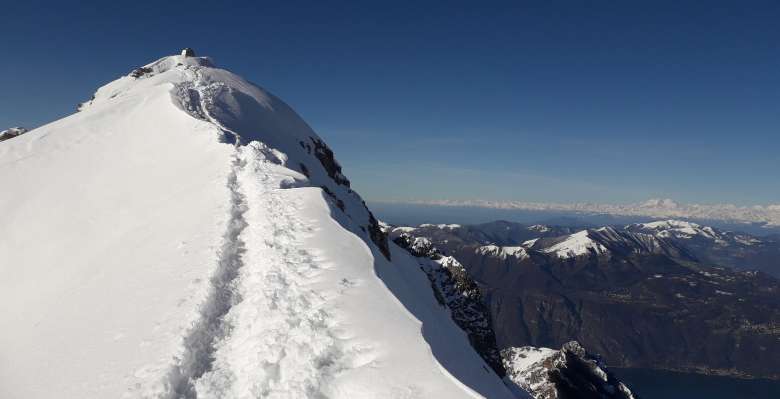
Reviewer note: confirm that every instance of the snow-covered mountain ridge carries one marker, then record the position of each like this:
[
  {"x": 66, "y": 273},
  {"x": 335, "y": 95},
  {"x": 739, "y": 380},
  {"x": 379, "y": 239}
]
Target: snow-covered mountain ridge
[
  {"x": 186, "y": 234},
  {"x": 605, "y": 241}
]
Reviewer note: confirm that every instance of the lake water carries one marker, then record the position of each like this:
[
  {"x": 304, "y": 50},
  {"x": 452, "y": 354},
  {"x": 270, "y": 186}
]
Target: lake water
[{"x": 653, "y": 384}]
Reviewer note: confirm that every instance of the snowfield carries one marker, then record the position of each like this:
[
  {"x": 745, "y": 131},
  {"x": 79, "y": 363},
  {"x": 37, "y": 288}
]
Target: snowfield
[{"x": 187, "y": 235}]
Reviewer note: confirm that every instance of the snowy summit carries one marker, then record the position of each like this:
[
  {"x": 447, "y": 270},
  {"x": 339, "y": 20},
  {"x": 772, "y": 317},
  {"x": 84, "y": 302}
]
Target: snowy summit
[{"x": 187, "y": 234}]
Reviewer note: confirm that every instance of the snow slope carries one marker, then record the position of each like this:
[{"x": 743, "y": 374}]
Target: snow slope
[
  {"x": 577, "y": 244},
  {"x": 186, "y": 234}
]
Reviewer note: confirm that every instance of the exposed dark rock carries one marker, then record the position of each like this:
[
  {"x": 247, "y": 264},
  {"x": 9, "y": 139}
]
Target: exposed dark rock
[
  {"x": 640, "y": 302},
  {"x": 378, "y": 236},
  {"x": 339, "y": 202},
  {"x": 325, "y": 155},
  {"x": 140, "y": 72},
  {"x": 84, "y": 104},
  {"x": 304, "y": 170},
  {"x": 569, "y": 373},
  {"x": 11, "y": 133},
  {"x": 328, "y": 161},
  {"x": 454, "y": 289}
]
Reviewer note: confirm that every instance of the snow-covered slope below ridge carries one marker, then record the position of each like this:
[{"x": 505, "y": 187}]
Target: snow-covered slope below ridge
[{"x": 142, "y": 254}]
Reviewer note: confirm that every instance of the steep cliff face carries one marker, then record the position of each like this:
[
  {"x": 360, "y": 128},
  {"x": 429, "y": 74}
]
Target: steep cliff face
[{"x": 456, "y": 291}]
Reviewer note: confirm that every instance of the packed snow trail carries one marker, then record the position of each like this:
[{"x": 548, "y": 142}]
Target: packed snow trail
[
  {"x": 187, "y": 235},
  {"x": 279, "y": 319},
  {"x": 200, "y": 342},
  {"x": 262, "y": 299}
]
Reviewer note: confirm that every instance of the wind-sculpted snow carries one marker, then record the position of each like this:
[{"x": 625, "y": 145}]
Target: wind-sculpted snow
[
  {"x": 187, "y": 235},
  {"x": 277, "y": 316}
]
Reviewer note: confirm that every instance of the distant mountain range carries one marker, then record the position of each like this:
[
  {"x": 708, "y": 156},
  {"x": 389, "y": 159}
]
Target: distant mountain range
[
  {"x": 768, "y": 215},
  {"x": 670, "y": 294}
]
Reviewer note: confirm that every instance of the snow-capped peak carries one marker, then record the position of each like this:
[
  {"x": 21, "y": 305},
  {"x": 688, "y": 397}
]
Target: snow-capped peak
[
  {"x": 662, "y": 203},
  {"x": 518, "y": 252},
  {"x": 604, "y": 241},
  {"x": 136, "y": 80},
  {"x": 187, "y": 234},
  {"x": 678, "y": 229},
  {"x": 576, "y": 244},
  {"x": 670, "y": 224}
]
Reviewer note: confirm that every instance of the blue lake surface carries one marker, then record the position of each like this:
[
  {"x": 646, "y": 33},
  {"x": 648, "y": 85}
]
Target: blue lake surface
[{"x": 654, "y": 384}]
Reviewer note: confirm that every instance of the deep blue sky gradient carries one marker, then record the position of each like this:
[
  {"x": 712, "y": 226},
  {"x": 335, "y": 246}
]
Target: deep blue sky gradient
[{"x": 601, "y": 101}]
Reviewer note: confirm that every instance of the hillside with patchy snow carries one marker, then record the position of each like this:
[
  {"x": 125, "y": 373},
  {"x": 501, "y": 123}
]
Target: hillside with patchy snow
[
  {"x": 660, "y": 295},
  {"x": 187, "y": 235}
]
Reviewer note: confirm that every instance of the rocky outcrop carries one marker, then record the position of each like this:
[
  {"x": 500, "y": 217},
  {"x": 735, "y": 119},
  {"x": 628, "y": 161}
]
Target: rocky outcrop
[
  {"x": 568, "y": 373},
  {"x": 323, "y": 153},
  {"x": 377, "y": 234},
  {"x": 326, "y": 158},
  {"x": 454, "y": 289},
  {"x": 11, "y": 133},
  {"x": 140, "y": 72}
]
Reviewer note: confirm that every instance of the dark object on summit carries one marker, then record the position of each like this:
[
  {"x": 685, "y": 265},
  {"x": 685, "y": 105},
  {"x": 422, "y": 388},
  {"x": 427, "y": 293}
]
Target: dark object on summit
[{"x": 188, "y": 52}]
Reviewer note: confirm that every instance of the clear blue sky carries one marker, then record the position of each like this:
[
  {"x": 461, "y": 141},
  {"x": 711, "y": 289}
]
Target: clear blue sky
[{"x": 540, "y": 101}]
